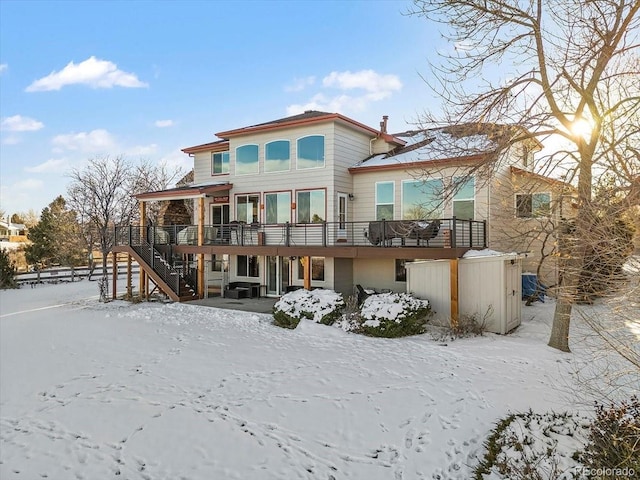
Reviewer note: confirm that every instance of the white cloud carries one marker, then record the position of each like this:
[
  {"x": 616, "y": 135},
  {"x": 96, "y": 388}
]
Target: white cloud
[
  {"x": 52, "y": 165},
  {"x": 164, "y": 123},
  {"x": 93, "y": 72},
  {"x": 177, "y": 159},
  {"x": 28, "y": 184},
  {"x": 364, "y": 79},
  {"x": 365, "y": 87},
  {"x": 3, "y": 67},
  {"x": 98, "y": 140},
  {"x": 11, "y": 140},
  {"x": 18, "y": 123},
  {"x": 141, "y": 150},
  {"x": 300, "y": 84}
]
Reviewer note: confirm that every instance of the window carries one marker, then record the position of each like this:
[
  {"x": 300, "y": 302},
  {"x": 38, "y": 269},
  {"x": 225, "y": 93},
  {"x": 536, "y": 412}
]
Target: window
[
  {"x": 247, "y": 208},
  {"x": 248, "y": 266},
  {"x": 317, "y": 269},
  {"x": 310, "y": 206},
  {"x": 385, "y": 193},
  {"x": 401, "y": 271},
  {"x": 276, "y": 156},
  {"x": 530, "y": 205},
  {"x": 311, "y": 152},
  {"x": 246, "y": 159},
  {"x": 216, "y": 263},
  {"x": 277, "y": 207},
  {"x": 219, "y": 163},
  {"x": 422, "y": 199},
  {"x": 464, "y": 198}
]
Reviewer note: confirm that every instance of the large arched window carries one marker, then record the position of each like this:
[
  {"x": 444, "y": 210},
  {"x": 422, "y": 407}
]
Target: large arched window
[
  {"x": 311, "y": 151},
  {"x": 246, "y": 159},
  {"x": 276, "y": 156}
]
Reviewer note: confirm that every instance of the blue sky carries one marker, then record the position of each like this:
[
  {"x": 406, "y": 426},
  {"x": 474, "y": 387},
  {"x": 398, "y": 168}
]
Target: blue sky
[{"x": 145, "y": 79}]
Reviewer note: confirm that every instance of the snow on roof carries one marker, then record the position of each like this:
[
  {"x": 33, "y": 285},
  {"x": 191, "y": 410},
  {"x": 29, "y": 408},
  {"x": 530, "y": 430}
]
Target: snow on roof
[
  {"x": 483, "y": 253},
  {"x": 437, "y": 144}
]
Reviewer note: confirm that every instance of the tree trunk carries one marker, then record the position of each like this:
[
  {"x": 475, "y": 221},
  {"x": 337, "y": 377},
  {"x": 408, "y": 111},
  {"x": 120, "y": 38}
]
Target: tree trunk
[{"x": 561, "y": 320}]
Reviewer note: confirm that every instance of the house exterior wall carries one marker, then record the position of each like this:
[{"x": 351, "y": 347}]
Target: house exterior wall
[
  {"x": 377, "y": 272},
  {"x": 343, "y": 148},
  {"x": 364, "y": 184},
  {"x": 345, "y": 145}
]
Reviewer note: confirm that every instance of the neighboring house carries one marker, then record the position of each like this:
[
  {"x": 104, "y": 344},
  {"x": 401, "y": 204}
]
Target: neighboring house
[
  {"x": 321, "y": 200},
  {"x": 14, "y": 232}
]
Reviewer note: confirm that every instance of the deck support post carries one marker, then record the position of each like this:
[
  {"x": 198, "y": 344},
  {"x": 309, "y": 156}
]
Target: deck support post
[
  {"x": 129, "y": 293},
  {"x": 114, "y": 277},
  {"x": 306, "y": 265},
  {"x": 143, "y": 273},
  {"x": 453, "y": 282},
  {"x": 200, "y": 243}
]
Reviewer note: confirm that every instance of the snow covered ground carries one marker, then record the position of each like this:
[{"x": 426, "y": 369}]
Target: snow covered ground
[{"x": 173, "y": 391}]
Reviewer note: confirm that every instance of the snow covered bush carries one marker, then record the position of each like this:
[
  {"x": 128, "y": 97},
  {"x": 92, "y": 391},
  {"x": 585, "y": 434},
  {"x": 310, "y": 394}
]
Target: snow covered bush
[
  {"x": 613, "y": 449},
  {"x": 393, "y": 315},
  {"x": 321, "y": 306},
  {"x": 532, "y": 446}
]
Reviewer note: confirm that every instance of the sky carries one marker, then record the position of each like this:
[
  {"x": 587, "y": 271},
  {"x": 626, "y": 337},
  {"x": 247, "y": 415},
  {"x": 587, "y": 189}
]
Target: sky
[{"x": 86, "y": 79}]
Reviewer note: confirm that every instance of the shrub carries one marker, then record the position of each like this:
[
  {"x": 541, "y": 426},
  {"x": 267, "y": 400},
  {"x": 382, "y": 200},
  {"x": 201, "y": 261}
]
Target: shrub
[
  {"x": 392, "y": 315},
  {"x": 524, "y": 446},
  {"x": 321, "y": 306},
  {"x": 614, "y": 441},
  {"x": 7, "y": 271}
]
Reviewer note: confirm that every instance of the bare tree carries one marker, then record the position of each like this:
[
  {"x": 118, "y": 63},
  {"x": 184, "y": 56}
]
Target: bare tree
[
  {"x": 102, "y": 195},
  {"x": 572, "y": 73}
]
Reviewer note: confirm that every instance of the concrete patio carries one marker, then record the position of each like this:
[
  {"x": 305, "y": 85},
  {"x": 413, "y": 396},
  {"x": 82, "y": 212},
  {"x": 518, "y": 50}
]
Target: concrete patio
[{"x": 256, "y": 305}]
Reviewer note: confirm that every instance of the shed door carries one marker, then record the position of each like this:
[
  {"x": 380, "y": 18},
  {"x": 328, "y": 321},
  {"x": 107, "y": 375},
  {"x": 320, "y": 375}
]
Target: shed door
[{"x": 512, "y": 283}]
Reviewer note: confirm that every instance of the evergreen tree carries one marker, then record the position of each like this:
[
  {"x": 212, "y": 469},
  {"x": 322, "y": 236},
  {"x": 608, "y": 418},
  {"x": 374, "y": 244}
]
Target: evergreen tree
[
  {"x": 7, "y": 271},
  {"x": 40, "y": 251},
  {"x": 55, "y": 238}
]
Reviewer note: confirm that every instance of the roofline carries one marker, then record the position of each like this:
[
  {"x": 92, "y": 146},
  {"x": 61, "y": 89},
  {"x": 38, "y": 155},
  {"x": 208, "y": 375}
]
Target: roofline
[
  {"x": 307, "y": 121},
  {"x": 219, "y": 146},
  {"x": 441, "y": 162},
  {"x": 184, "y": 193},
  {"x": 521, "y": 171}
]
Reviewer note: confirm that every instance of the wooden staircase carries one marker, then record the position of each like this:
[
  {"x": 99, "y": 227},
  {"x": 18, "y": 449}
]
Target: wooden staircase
[{"x": 168, "y": 278}]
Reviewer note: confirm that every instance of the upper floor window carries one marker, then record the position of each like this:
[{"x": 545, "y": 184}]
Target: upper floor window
[
  {"x": 530, "y": 205},
  {"x": 219, "y": 163},
  {"x": 385, "y": 194},
  {"x": 310, "y": 206},
  {"x": 277, "y": 207},
  {"x": 311, "y": 151},
  {"x": 422, "y": 199},
  {"x": 464, "y": 198},
  {"x": 246, "y": 159},
  {"x": 276, "y": 156},
  {"x": 247, "y": 208}
]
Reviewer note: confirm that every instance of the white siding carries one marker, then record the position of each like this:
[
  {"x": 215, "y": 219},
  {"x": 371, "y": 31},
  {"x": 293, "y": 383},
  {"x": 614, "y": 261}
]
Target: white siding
[
  {"x": 430, "y": 280},
  {"x": 489, "y": 288}
]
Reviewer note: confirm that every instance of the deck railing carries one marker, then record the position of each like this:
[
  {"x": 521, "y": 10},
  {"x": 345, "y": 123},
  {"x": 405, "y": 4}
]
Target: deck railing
[{"x": 439, "y": 233}]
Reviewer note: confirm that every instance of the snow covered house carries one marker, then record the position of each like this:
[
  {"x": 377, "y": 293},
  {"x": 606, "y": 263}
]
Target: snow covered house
[
  {"x": 321, "y": 200},
  {"x": 14, "y": 232}
]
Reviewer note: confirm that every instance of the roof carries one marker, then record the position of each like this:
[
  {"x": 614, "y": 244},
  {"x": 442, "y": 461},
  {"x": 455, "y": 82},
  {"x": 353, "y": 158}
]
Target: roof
[
  {"x": 217, "y": 146},
  {"x": 453, "y": 144},
  {"x": 13, "y": 226},
  {"x": 179, "y": 193},
  {"x": 520, "y": 171},
  {"x": 309, "y": 117}
]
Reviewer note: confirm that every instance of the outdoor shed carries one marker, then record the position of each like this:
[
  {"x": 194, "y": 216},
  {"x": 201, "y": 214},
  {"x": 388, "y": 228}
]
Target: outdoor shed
[{"x": 489, "y": 288}]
